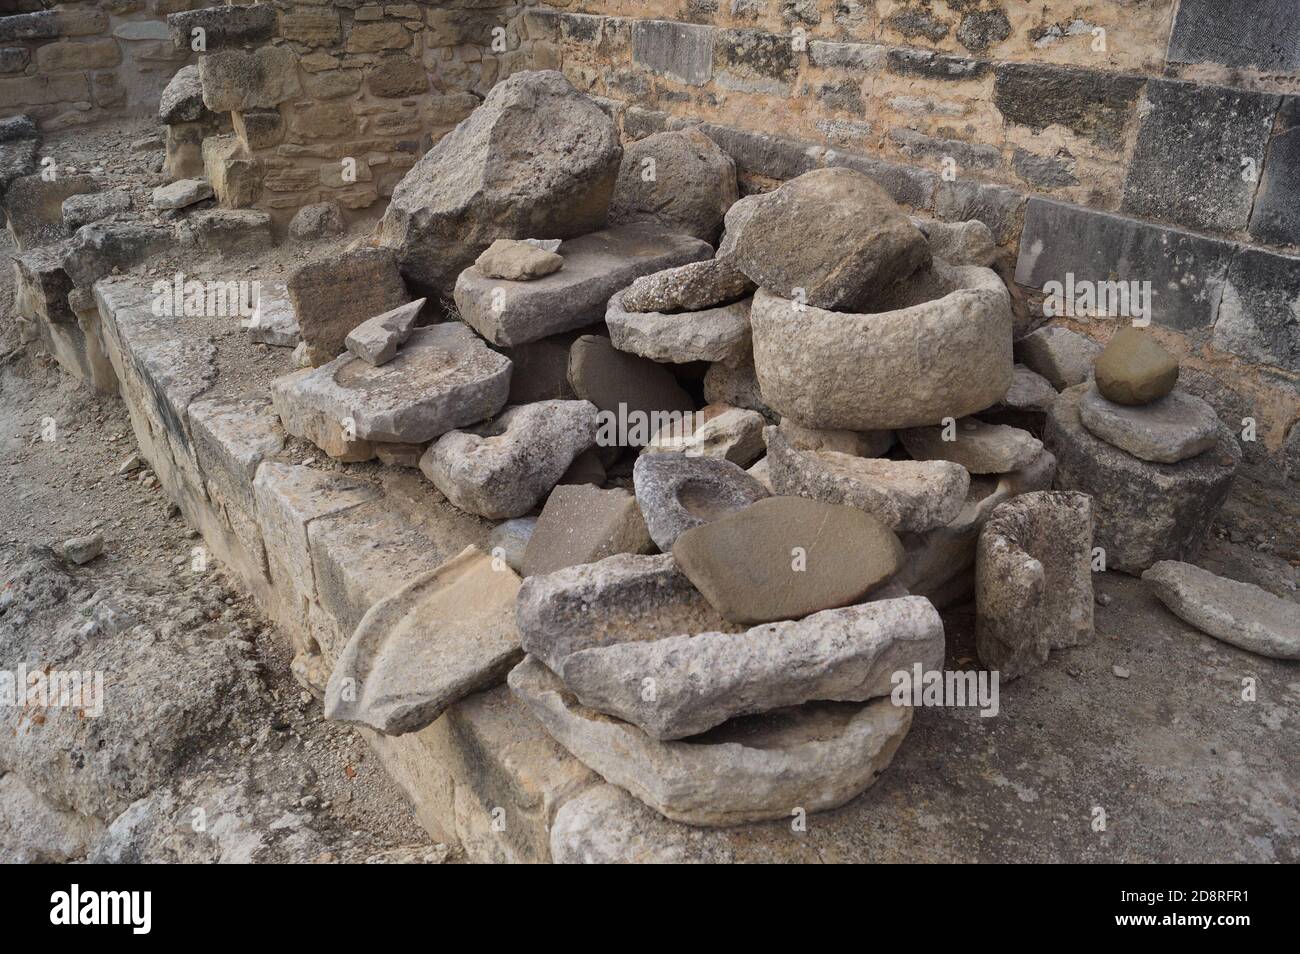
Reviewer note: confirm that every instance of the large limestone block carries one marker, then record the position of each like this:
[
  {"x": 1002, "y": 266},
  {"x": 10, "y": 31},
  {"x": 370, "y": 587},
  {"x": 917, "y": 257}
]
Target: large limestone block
[
  {"x": 816, "y": 756},
  {"x": 443, "y": 636},
  {"x": 502, "y": 469},
  {"x": 680, "y": 180},
  {"x": 906, "y": 495},
  {"x": 622, "y": 598},
  {"x": 1144, "y": 511},
  {"x": 686, "y": 684},
  {"x": 944, "y": 352},
  {"x": 1033, "y": 580},
  {"x": 711, "y": 334},
  {"x": 333, "y": 295},
  {"x": 444, "y": 377},
  {"x": 596, "y": 266},
  {"x": 1239, "y": 613},
  {"x": 836, "y": 235},
  {"x": 537, "y": 159}
]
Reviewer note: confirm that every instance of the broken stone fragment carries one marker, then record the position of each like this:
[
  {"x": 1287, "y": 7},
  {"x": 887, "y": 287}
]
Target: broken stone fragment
[
  {"x": 509, "y": 540},
  {"x": 517, "y": 261},
  {"x": 536, "y": 158},
  {"x": 816, "y": 756},
  {"x": 181, "y": 194},
  {"x": 1238, "y": 613},
  {"x": 980, "y": 448},
  {"x": 448, "y": 633},
  {"x": 444, "y": 377},
  {"x": 1029, "y": 391},
  {"x": 907, "y": 495},
  {"x": 701, "y": 680},
  {"x": 376, "y": 340},
  {"x": 677, "y": 492},
  {"x": 229, "y": 231},
  {"x": 33, "y": 206},
  {"x": 316, "y": 221},
  {"x": 273, "y": 321},
  {"x": 729, "y": 433},
  {"x": 832, "y": 239},
  {"x": 596, "y": 266},
  {"x": 959, "y": 243},
  {"x": 629, "y": 387},
  {"x": 1033, "y": 580},
  {"x": 100, "y": 247},
  {"x": 945, "y": 351},
  {"x": 1134, "y": 369},
  {"x": 680, "y": 180},
  {"x": 690, "y": 287},
  {"x": 622, "y": 598},
  {"x": 87, "y": 207},
  {"x": 1063, "y": 357},
  {"x": 504, "y": 467},
  {"x": 713, "y": 334},
  {"x": 582, "y": 524},
  {"x": 393, "y": 454},
  {"x": 854, "y": 443},
  {"x": 182, "y": 98},
  {"x": 333, "y": 295},
  {"x": 80, "y": 550},
  {"x": 1167, "y": 430},
  {"x": 1144, "y": 511},
  {"x": 799, "y": 556}
]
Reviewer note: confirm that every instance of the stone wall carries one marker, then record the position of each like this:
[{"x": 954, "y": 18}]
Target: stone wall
[
  {"x": 86, "y": 60},
  {"x": 335, "y": 101},
  {"x": 1132, "y": 141}
]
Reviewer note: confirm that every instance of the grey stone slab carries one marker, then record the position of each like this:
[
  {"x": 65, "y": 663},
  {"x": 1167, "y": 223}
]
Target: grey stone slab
[
  {"x": 1257, "y": 317},
  {"x": 1275, "y": 218},
  {"x": 679, "y": 51},
  {"x": 1092, "y": 103},
  {"x": 1247, "y": 34}
]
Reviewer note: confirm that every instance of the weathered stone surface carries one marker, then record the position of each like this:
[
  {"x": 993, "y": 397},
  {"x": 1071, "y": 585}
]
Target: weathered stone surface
[
  {"x": 100, "y": 247},
  {"x": 737, "y": 385},
  {"x": 980, "y": 448},
  {"x": 509, "y": 539},
  {"x": 621, "y": 383},
  {"x": 1275, "y": 215},
  {"x": 595, "y": 267},
  {"x": 81, "y": 550},
  {"x": 1029, "y": 391},
  {"x": 541, "y": 371},
  {"x": 619, "y": 599},
  {"x": 273, "y": 321},
  {"x": 906, "y": 495},
  {"x": 1144, "y": 512},
  {"x": 315, "y": 221},
  {"x": 703, "y": 679},
  {"x": 1033, "y": 580},
  {"x": 376, "y": 340},
  {"x": 959, "y": 243},
  {"x": 87, "y": 207},
  {"x": 502, "y": 468},
  {"x": 681, "y": 51},
  {"x": 678, "y": 180},
  {"x": 1238, "y": 613},
  {"x": 712, "y": 334},
  {"x": 238, "y": 80},
  {"x": 446, "y": 634},
  {"x": 41, "y": 288},
  {"x": 677, "y": 492},
  {"x": 1174, "y": 428},
  {"x": 1255, "y": 318},
  {"x": 582, "y": 524},
  {"x": 182, "y": 98},
  {"x": 34, "y": 206},
  {"x": 444, "y": 377},
  {"x": 737, "y": 217},
  {"x": 800, "y": 556},
  {"x": 333, "y": 295},
  {"x": 1064, "y": 357},
  {"x": 834, "y": 234},
  {"x": 235, "y": 175},
  {"x": 222, "y": 26},
  {"x": 1093, "y": 103},
  {"x": 853, "y": 443},
  {"x": 1134, "y": 369},
  {"x": 817, "y": 756},
  {"x": 537, "y": 158},
  {"x": 180, "y": 194},
  {"x": 1262, "y": 35},
  {"x": 944, "y": 353},
  {"x": 718, "y": 430},
  {"x": 517, "y": 261},
  {"x": 690, "y": 287}
]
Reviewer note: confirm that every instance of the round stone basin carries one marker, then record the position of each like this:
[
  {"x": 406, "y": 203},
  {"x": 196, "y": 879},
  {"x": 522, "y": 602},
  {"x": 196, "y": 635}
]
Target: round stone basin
[{"x": 943, "y": 349}]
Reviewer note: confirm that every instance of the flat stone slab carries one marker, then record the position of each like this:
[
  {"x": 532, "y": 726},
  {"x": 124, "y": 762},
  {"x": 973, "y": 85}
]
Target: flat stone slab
[
  {"x": 1064, "y": 357},
  {"x": 623, "y": 598},
  {"x": 273, "y": 321},
  {"x": 692, "y": 287},
  {"x": 1033, "y": 580},
  {"x": 624, "y": 384},
  {"x": 446, "y": 634},
  {"x": 719, "y": 430},
  {"x": 980, "y": 448},
  {"x": 1134, "y": 369},
  {"x": 582, "y": 524},
  {"x": 1167, "y": 430},
  {"x": 677, "y": 492},
  {"x": 816, "y": 756},
  {"x": 180, "y": 194},
  {"x": 906, "y": 495},
  {"x": 596, "y": 266},
  {"x": 444, "y": 377},
  {"x": 504, "y": 467},
  {"x": 786, "y": 557},
  {"x": 376, "y": 340},
  {"x": 712, "y": 334},
  {"x": 1144, "y": 511},
  {"x": 683, "y": 685},
  {"x": 1239, "y": 613}
]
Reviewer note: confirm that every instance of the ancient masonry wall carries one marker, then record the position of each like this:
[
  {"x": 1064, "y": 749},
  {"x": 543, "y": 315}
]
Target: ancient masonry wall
[
  {"x": 86, "y": 60},
  {"x": 1113, "y": 141}
]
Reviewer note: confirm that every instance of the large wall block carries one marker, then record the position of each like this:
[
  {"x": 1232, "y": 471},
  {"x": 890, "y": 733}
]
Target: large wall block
[
  {"x": 1259, "y": 316},
  {"x": 1275, "y": 218},
  {"x": 1093, "y": 104},
  {"x": 1254, "y": 34},
  {"x": 679, "y": 51}
]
